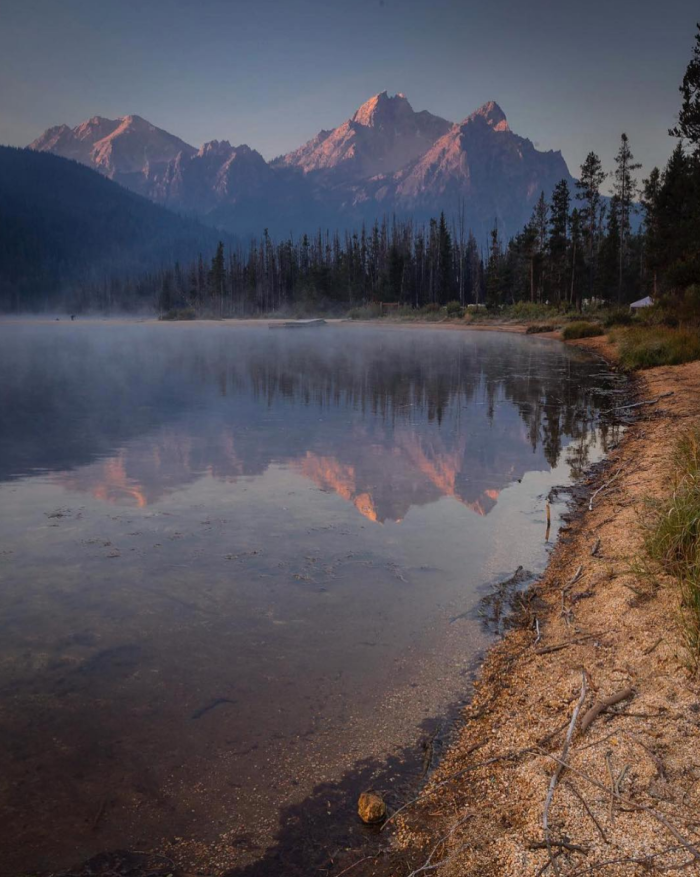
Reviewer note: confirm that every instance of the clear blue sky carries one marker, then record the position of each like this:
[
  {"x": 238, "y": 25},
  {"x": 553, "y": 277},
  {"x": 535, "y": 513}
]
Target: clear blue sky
[{"x": 272, "y": 73}]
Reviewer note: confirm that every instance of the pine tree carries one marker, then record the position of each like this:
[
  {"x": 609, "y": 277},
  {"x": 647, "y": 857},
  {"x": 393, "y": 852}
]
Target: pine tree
[
  {"x": 525, "y": 244},
  {"x": 577, "y": 264},
  {"x": 493, "y": 270},
  {"x": 217, "y": 277},
  {"x": 444, "y": 256},
  {"x": 650, "y": 206},
  {"x": 610, "y": 248},
  {"x": 540, "y": 223},
  {"x": 688, "y": 127},
  {"x": 558, "y": 236},
  {"x": 473, "y": 270},
  {"x": 625, "y": 189},
  {"x": 591, "y": 179},
  {"x": 678, "y": 220}
]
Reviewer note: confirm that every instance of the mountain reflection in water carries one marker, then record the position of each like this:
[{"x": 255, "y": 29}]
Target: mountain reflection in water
[
  {"x": 386, "y": 422},
  {"x": 236, "y": 563}
]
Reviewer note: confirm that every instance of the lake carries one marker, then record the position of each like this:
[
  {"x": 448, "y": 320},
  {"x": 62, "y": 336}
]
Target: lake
[{"x": 241, "y": 569}]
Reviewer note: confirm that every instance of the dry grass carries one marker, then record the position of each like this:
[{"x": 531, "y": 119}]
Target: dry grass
[
  {"x": 651, "y": 346},
  {"x": 673, "y": 537}
]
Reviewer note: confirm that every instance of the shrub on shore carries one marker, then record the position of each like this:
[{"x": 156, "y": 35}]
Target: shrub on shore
[
  {"x": 672, "y": 540},
  {"x": 530, "y": 310},
  {"x": 649, "y": 346},
  {"x": 582, "y": 329},
  {"x": 538, "y": 328},
  {"x": 179, "y": 314},
  {"x": 364, "y": 312},
  {"x": 618, "y": 317}
]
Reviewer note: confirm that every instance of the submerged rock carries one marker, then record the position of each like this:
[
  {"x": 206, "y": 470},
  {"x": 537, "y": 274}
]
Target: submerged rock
[{"x": 371, "y": 807}]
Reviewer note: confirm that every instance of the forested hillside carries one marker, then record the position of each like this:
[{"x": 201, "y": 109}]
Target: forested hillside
[{"x": 65, "y": 230}]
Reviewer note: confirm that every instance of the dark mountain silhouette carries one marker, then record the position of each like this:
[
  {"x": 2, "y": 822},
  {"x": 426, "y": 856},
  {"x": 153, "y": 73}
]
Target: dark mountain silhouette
[{"x": 62, "y": 224}]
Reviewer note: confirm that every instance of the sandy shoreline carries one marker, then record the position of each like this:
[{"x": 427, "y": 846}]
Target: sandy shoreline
[
  {"x": 262, "y": 322},
  {"x": 482, "y": 812}
]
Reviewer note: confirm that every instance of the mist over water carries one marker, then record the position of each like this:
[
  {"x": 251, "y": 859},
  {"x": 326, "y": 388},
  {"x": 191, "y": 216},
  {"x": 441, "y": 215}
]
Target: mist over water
[{"x": 232, "y": 559}]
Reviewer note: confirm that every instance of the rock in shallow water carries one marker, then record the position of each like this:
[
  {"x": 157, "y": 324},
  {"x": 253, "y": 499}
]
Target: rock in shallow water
[{"x": 371, "y": 807}]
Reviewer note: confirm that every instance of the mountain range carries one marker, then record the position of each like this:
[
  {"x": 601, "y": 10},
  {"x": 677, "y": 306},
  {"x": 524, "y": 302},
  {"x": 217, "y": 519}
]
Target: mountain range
[{"x": 385, "y": 159}]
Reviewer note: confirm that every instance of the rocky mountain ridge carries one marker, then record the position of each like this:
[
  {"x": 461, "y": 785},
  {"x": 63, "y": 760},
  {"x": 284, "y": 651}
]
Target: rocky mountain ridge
[{"x": 385, "y": 159}]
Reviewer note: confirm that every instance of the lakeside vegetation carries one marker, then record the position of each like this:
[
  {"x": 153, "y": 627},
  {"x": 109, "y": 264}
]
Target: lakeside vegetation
[{"x": 672, "y": 540}]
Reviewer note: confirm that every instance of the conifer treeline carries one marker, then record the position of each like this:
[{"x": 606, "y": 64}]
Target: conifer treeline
[{"x": 578, "y": 245}]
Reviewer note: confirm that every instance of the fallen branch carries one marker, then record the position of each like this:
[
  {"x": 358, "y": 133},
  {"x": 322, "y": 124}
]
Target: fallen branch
[
  {"x": 557, "y": 647},
  {"x": 577, "y": 576},
  {"x": 602, "y": 487},
  {"x": 660, "y": 768},
  {"x": 652, "y": 648},
  {"x": 505, "y": 756},
  {"x": 562, "y": 844},
  {"x": 594, "y": 550},
  {"x": 646, "y": 860},
  {"x": 639, "y": 404},
  {"x": 560, "y": 766},
  {"x": 572, "y": 788},
  {"x": 602, "y": 705},
  {"x": 611, "y": 808},
  {"x": 429, "y": 865},
  {"x": 627, "y": 802}
]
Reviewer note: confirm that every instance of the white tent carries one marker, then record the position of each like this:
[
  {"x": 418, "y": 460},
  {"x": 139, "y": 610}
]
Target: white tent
[{"x": 642, "y": 303}]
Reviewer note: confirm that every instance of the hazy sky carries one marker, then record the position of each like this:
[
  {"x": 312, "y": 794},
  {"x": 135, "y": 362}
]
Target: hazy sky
[{"x": 272, "y": 73}]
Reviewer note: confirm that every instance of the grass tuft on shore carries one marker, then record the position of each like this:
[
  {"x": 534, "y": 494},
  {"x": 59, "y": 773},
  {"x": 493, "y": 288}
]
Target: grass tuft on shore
[
  {"x": 582, "y": 329},
  {"x": 672, "y": 539},
  {"x": 650, "y": 346}
]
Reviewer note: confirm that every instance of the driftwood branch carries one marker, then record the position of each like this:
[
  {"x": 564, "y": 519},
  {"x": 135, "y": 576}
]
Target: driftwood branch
[
  {"x": 639, "y": 404},
  {"x": 658, "y": 817},
  {"x": 602, "y": 487},
  {"x": 429, "y": 865},
  {"x": 572, "y": 788},
  {"x": 560, "y": 767},
  {"x": 504, "y": 756},
  {"x": 557, "y": 647},
  {"x": 603, "y": 704}
]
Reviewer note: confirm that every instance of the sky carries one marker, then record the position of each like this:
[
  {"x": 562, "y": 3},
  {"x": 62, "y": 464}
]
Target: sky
[{"x": 271, "y": 73}]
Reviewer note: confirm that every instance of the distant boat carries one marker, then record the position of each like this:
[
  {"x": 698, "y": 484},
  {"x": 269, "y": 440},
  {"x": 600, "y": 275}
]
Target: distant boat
[{"x": 298, "y": 324}]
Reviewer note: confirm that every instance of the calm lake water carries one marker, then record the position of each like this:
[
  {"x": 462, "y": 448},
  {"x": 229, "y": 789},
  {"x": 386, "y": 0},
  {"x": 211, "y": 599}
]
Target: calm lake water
[{"x": 237, "y": 563}]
